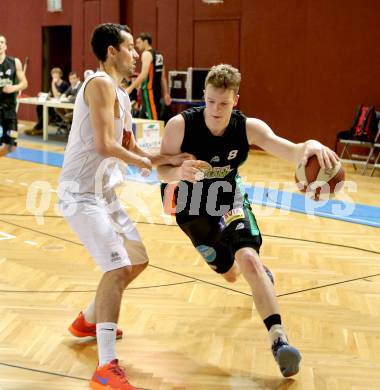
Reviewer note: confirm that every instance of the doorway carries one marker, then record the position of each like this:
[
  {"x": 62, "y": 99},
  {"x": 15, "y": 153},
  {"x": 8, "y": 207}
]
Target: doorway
[{"x": 56, "y": 52}]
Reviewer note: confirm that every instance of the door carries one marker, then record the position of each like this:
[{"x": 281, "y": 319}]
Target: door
[{"x": 56, "y": 52}]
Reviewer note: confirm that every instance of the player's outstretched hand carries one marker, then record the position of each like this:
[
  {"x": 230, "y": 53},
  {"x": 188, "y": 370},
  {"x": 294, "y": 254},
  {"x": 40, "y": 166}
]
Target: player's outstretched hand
[
  {"x": 144, "y": 162},
  {"x": 192, "y": 170},
  {"x": 327, "y": 158},
  {"x": 144, "y": 172},
  {"x": 145, "y": 166},
  {"x": 178, "y": 159}
]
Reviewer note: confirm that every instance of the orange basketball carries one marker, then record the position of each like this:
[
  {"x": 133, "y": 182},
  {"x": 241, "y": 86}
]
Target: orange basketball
[{"x": 312, "y": 179}]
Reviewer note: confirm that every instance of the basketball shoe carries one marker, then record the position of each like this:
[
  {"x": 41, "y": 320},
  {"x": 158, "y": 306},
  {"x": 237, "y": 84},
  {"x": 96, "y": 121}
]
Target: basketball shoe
[
  {"x": 81, "y": 328},
  {"x": 287, "y": 357},
  {"x": 110, "y": 376}
]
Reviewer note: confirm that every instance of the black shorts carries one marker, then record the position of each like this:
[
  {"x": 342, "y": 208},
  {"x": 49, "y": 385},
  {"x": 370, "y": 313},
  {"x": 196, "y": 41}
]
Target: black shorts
[
  {"x": 8, "y": 123},
  {"x": 218, "y": 238}
]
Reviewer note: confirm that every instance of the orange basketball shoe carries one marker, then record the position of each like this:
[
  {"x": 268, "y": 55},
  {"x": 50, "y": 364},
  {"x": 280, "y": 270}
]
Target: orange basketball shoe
[
  {"x": 110, "y": 376},
  {"x": 81, "y": 328}
]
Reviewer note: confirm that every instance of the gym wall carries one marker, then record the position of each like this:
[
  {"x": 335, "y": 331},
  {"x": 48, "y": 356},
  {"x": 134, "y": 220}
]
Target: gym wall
[{"x": 305, "y": 64}]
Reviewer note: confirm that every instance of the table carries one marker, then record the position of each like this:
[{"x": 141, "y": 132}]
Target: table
[
  {"x": 138, "y": 124},
  {"x": 45, "y": 113},
  {"x": 55, "y": 103}
]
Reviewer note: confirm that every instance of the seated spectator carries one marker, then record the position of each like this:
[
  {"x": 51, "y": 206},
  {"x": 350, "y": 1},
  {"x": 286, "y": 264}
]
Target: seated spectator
[
  {"x": 58, "y": 85},
  {"x": 69, "y": 96},
  {"x": 57, "y": 88},
  {"x": 133, "y": 96}
]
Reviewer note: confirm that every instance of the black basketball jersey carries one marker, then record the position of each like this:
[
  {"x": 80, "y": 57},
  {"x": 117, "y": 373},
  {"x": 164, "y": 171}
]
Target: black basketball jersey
[
  {"x": 221, "y": 189},
  {"x": 153, "y": 81},
  {"x": 8, "y": 77}
]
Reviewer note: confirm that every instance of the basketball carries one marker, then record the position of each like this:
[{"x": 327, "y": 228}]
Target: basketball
[{"x": 312, "y": 179}]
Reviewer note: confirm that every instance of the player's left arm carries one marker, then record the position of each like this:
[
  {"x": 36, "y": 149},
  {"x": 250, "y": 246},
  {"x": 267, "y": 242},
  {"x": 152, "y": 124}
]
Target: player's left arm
[
  {"x": 22, "y": 81},
  {"x": 260, "y": 134}
]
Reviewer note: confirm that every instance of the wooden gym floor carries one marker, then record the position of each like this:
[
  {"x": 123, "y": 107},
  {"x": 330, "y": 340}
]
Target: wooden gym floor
[{"x": 185, "y": 328}]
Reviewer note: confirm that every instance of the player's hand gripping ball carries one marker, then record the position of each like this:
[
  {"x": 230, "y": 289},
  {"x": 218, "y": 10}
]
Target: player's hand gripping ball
[{"x": 313, "y": 180}]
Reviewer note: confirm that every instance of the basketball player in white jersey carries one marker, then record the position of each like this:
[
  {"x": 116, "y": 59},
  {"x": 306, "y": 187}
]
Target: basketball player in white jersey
[{"x": 93, "y": 166}]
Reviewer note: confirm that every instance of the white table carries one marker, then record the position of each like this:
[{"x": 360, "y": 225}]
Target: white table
[
  {"x": 45, "y": 106},
  {"x": 45, "y": 114},
  {"x": 55, "y": 103}
]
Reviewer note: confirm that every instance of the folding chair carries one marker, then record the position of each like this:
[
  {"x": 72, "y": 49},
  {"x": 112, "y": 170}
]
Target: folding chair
[
  {"x": 377, "y": 161},
  {"x": 357, "y": 159},
  {"x": 374, "y": 152}
]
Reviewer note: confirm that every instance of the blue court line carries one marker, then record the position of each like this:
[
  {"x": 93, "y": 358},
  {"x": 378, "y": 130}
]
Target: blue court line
[
  {"x": 38, "y": 156},
  {"x": 56, "y": 160},
  {"x": 336, "y": 209}
]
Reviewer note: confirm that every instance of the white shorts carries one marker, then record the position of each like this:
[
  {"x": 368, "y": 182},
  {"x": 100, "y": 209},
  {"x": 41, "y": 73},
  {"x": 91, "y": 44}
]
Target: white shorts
[{"x": 108, "y": 234}]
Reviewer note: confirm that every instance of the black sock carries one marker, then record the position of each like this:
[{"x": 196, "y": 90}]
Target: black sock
[{"x": 274, "y": 319}]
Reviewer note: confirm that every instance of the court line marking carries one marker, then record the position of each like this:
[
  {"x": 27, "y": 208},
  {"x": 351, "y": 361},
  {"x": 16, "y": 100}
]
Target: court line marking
[
  {"x": 50, "y": 373},
  {"x": 43, "y": 371},
  {"x": 31, "y": 243},
  {"x": 361, "y": 214},
  {"x": 92, "y": 291},
  {"x": 201, "y": 280},
  {"x": 175, "y": 225}
]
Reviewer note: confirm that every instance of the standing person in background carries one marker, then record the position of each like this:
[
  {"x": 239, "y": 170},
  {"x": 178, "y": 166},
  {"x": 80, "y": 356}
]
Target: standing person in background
[
  {"x": 152, "y": 79},
  {"x": 12, "y": 80}
]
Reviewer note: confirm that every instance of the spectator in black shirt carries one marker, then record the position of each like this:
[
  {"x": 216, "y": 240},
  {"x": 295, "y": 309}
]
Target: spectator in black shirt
[{"x": 69, "y": 96}]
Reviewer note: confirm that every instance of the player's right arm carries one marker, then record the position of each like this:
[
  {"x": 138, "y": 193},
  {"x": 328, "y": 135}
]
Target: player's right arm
[
  {"x": 165, "y": 88},
  {"x": 171, "y": 145},
  {"x": 260, "y": 134},
  {"x": 100, "y": 96}
]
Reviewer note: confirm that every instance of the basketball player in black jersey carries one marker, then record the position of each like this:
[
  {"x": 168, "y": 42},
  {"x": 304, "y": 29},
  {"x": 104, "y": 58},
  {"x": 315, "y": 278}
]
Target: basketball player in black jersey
[
  {"x": 210, "y": 204},
  {"x": 12, "y": 80},
  {"x": 152, "y": 79}
]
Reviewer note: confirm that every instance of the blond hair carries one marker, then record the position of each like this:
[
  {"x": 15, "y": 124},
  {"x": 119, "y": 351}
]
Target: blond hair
[
  {"x": 224, "y": 76},
  {"x": 56, "y": 70}
]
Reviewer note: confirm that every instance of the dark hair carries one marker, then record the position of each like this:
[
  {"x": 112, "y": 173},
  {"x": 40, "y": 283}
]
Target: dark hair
[
  {"x": 107, "y": 34},
  {"x": 73, "y": 73},
  {"x": 144, "y": 36}
]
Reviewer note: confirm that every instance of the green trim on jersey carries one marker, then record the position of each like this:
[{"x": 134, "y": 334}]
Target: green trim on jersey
[
  {"x": 146, "y": 103},
  {"x": 247, "y": 206},
  {"x": 239, "y": 184},
  {"x": 253, "y": 224}
]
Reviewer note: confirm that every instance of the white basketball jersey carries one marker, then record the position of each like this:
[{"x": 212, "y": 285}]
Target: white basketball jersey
[{"x": 84, "y": 169}]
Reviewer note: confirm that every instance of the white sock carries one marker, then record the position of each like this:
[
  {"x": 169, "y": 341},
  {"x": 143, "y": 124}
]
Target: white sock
[
  {"x": 89, "y": 313},
  {"x": 277, "y": 331},
  {"x": 106, "y": 338}
]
